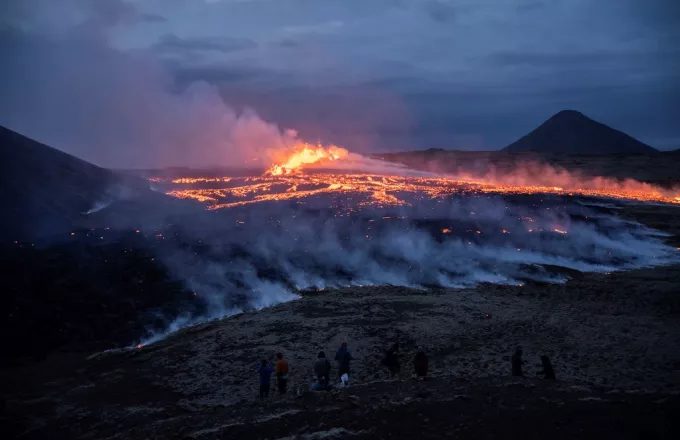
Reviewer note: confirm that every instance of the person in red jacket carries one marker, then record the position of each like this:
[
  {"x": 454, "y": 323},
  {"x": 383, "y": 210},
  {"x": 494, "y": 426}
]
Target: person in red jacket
[{"x": 281, "y": 373}]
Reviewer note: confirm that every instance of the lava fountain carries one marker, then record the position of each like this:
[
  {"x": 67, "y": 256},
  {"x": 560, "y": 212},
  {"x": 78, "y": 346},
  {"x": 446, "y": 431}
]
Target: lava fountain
[{"x": 305, "y": 154}]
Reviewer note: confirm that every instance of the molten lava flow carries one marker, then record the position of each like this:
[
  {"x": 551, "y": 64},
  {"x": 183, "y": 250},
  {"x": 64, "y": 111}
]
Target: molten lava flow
[
  {"x": 286, "y": 181},
  {"x": 305, "y": 155}
]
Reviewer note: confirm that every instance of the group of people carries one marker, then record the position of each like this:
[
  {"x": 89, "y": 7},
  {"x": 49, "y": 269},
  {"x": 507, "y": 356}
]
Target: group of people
[
  {"x": 391, "y": 361},
  {"x": 343, "y": 357},
  {"x": 322, "y": 367},
  {"x": 517, "y": 365},
  {"x": 265, "y": 371}
]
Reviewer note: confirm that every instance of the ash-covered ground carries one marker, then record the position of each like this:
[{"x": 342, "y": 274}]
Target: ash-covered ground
[{"x": 612, "y": 337}]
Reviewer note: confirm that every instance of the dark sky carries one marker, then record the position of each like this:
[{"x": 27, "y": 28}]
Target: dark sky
[{"x": 165, "y": 82}]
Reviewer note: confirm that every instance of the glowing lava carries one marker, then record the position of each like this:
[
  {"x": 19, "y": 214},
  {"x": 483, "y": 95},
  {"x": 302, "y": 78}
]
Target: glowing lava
[
  {"x": 291, "y": 179},
  {"x": 375, "y": 190},
  {"x": 305, "y": 154}
]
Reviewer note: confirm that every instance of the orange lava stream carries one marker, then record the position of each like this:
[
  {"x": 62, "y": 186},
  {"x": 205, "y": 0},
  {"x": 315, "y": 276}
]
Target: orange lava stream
[{"x": 376, "y": 190}]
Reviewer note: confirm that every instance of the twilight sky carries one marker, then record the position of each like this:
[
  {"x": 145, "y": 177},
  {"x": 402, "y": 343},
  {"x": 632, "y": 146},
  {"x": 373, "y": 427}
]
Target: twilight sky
[{"x": 191, "y": 82}]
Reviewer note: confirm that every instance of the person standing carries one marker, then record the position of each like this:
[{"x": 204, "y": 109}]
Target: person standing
[
  {"x": 420, "y": 364},
  {"x": 391, "y": 360},
  {"x": 343, "y": 357},
  {"x": 322, "y": 370},
  {"x": 281, "y": 373},
  {"x": 517, "y": 363},
  {"x": 548, "y": 371},
  {"x": 265, "y": 371}
]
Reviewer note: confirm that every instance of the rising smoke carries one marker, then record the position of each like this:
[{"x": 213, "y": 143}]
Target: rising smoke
[
  {"x": 257, "y": 256},
  {"x": 66, "y": 85}
]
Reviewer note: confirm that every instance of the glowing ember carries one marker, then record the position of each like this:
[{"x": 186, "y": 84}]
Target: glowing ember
[
  {"x": 446, "y": 231},
  {"x": 560, "y": 231},
  {"x": 305, "y": 155}
]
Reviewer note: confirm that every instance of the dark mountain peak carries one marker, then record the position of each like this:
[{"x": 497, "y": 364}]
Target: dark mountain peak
[
  {"x": 572, "y": 132},
  {"x": 569, "y": 115}
]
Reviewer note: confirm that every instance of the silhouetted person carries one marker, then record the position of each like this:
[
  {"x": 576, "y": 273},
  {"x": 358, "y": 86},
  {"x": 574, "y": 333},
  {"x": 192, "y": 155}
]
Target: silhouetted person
[
  {"x": 343, "y": 357},
  {"x": 517, "y": 362},
  {"x": 322, "y": 369},
  {"x": 265, "y": 372},
  {"x": 548, "y": 372},
  {"x": 281, "y": 373},
  {"x": 420, "y": 364},
  {"x": 391, "y": 360}
]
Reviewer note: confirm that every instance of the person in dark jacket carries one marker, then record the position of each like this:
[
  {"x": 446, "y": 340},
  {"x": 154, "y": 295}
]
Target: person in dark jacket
[
  {"x": 343, "y": 357},
  {"x": 517, "y": 362},
  {"x": 548, "y": 372},
  {"x": 322, "y": 370},
  {"x": 265, "y": 371},
  {"x": 391, "y": 360},
  {"x": 420, "y": 364}
]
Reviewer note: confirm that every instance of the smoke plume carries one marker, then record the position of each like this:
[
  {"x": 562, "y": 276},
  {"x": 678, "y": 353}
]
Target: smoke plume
[
  {"x": 116, "y": 108},
  {"x": 260, "y": 255}
]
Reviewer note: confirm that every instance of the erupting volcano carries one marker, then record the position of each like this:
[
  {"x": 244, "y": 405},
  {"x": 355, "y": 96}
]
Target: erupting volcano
[
  {"x": 309, "y": 171},
  {"x": 323, "y": 217}
]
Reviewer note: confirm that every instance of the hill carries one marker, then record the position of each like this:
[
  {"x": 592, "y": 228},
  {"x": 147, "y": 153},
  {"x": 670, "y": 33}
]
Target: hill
[
  {"x": 572, "y": 132},
  {"x": 44, "y": 191},
  {"x": 82, "y": 276}
]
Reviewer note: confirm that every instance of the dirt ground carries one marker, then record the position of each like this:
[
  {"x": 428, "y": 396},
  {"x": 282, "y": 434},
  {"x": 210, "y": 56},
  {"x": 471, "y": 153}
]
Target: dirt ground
[{"x": 614, "y": 341}]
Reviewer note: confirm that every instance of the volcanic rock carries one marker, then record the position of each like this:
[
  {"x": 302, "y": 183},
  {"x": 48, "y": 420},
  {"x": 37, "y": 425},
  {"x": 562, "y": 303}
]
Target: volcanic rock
[{"x": 572, "y": 132}]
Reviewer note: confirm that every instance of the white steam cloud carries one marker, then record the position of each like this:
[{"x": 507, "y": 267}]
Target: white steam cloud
[
  {"x": 64, "y": 84},
  {"x": 258, "y": 256}
]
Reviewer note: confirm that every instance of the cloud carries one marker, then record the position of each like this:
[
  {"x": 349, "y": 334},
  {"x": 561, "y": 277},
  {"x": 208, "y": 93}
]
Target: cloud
[
  {"x": 50, "y": 16},
  {"x": 457, "y": 72},
  {"x": 173, "y": 43},
  {"x": 122, "y": 109},
  {"x": 152, "y": 18},
  {"x": 320, "y": 28},
  {"x": 440, "y": 11},
  {"x": 217, "y": 74}
]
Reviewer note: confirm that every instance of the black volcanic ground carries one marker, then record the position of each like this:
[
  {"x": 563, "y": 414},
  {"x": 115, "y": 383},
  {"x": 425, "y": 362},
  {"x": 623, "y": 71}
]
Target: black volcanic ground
[{"x": 613, "y": 338}]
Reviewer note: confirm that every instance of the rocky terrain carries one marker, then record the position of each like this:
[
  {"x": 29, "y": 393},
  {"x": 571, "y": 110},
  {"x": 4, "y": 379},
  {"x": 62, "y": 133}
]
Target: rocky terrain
[{"x": 614, "y": 340}]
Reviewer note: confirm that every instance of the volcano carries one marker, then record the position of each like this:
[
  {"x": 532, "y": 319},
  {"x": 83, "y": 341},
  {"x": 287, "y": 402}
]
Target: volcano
[{"x": 572, "y": 132}]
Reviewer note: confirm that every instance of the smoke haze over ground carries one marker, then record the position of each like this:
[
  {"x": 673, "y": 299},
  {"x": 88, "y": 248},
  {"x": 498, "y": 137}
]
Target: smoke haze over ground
[
  {"x": 70, "y": 86},
  {"x": 257, "y": 255}
]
